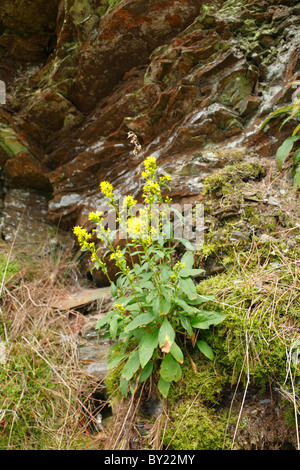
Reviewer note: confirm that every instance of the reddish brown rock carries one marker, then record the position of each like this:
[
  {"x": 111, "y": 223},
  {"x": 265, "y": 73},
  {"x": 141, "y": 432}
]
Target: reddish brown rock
[{"x": 183, "y": 78}]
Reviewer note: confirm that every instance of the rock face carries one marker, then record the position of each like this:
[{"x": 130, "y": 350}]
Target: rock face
[{"x": 193, "y": 80}]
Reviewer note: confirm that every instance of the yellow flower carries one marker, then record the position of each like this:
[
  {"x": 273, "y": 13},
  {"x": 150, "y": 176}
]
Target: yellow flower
[
  {"x": 81, "y": 234},
  {"x": 120, "y": 307},
  {"x": 135, "y": 226},
  {"x": 128, "y": 202},
  {"x": 119, "y": 258},
  {"x": 107, "y": 189},
  {"x": 164, "y": 178},
  {"x": 96, "y": 216},
  {"x": 150, "y": 164}
]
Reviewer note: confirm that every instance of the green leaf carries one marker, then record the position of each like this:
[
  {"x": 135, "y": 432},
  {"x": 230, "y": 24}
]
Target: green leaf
[
  {"x": 147, "y": 345},
  {"x": 156, "y": 307},
  {"x": 165, "y": 305},
  {"x": 146, "y": 372},
  {"x": 163, "y": 387},
  {"x": 186, "y": 244},
  {"x": 113, "y": 289},
  {"x": 170, "y": 369},
  {"x": 206, "y": 318},
  {"x": 166, "y": 335},
  {"x": 124, "y": 387},
  {"x": 115, "y": 360},
  {"x": 186, "y": 325},
  {"x": 104, "y": 320},
  {"x": 139, "y": 320},
  {"x": 188, "y": 259},
  {"x": 201, "y": 299},
  {"x": 205, "y": 349},
  {"x": 113, "y": 328},
  {"x": 297, "y": 179},
  {"x": 188, "y": 287},
  {"x": 177, "y": 353},
  {"x": 276, "y": 114},
  {"x": 131, "y": 366},
  {"x": 186, "y": 307},
  {"x": 296, "y": 130},
  {"x": 284, "y": 150},
  {"x": 186, "y": 272},
  {"x": 296, "y": 156},
  {"x": 165, "y": 274}
]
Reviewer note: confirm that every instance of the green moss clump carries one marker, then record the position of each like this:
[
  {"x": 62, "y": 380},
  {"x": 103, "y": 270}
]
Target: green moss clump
[
  {"x": 35, "y": 407},
  {"x": 222, "y": 181},
  {"x": 196, "y": 427},
  {"x": 8, "y": 268}
]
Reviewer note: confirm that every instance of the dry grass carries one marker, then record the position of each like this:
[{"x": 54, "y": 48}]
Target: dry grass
[{"x": 45, "y": 391}]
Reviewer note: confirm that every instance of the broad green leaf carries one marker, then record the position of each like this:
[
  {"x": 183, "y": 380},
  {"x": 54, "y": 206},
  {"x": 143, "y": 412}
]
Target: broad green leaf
[
  {"x": 205, "y": 349},
  {"x": 188, "y": 287},
  {"x": 131, "y": 366},
  {"x": 186, "y": 272},
  {"x": 297, "y": 179},
  {"x": 146, "y": 276},
  {"x": 147, "y": 285},
  {"x": 124, "y": 300},
  {"x": 165, "y": 274},
  {"x": 124, "y": 387},
  {"x": 113, "y": 328},
  {"x": 201, "y": 299},
  {"x": 165, "y": 305},
  {"x": 139, "y": 320},
  {"x": 113, "y": 289},
  {"x": 166, "y": 335},
  {"x": 188, "y": 259},
  {"x": 163, "y": 387},
  {"x": 170, "y": 369},
  {"x": 296, "y": 156},
  {"x": 146, "y": 372},
  {"x": 147, "y": 345},
  {"x": 186, "y": 324},
  {"x": 114, "y": 361},
  {"x": 284, "y": 150},
  {"x": 186, "y": 244},
  {"x": 104, "y": 320},
  {"x": 177, "y": 353},
  {"x": 186, "y": 307},
  {"x": 156, "y": 307},
  {"x": 133, "y": 307},
  {"x": 206, "y": 318}
]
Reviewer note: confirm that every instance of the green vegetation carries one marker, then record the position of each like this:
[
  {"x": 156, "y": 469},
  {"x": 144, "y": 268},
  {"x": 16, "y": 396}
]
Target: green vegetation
[
  {"x": 288, "y": 146},
  {"x": 40, "y": 379},
  {"x": 8, "y": 268},
  {"x": 156, "y": 306}
]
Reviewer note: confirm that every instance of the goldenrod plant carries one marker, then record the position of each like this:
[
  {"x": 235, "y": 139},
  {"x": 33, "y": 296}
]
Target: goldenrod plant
[
  {"x": 287, "y": 148},
  {"x": 156, "y": 307}
]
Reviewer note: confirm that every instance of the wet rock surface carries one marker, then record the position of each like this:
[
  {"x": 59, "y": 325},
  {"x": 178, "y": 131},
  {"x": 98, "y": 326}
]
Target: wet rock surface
[{"x": 189, "y": 78}]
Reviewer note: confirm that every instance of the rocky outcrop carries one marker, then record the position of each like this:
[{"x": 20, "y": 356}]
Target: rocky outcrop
[{"x": 193, "y": 80}]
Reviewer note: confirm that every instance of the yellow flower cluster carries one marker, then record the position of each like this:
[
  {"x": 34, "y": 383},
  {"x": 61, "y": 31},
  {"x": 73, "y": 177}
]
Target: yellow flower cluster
[
  {"x": 135, "y": 226},
  {"x": 107, "y": 189},
  {"x": 128, "y": 202},
  {"x": 96, "y": 216},
  {"x": 164, "y": 178},
  {"x": 151, "y": 189},
  {"x": 83, "y": 236},
  {"x": 120, "y": 307},
  {"x": 119, "y": 258}
]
